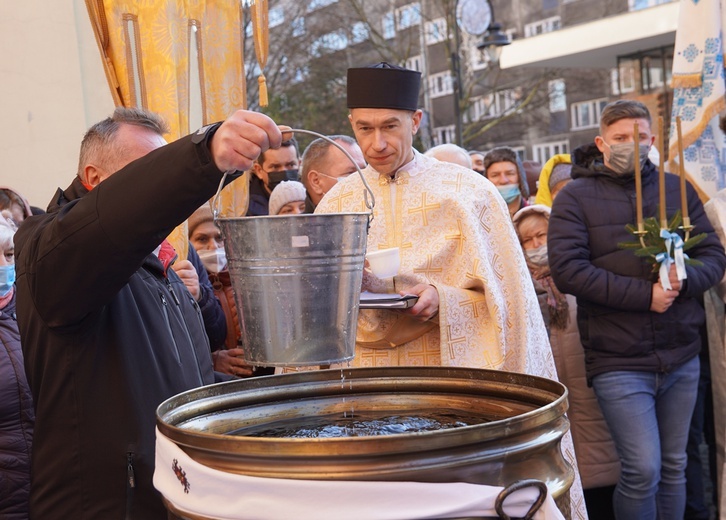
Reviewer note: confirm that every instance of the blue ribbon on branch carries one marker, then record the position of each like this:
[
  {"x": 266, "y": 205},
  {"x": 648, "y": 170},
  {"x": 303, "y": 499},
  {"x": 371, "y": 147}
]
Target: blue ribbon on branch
[{"x": 665, "y": 259}]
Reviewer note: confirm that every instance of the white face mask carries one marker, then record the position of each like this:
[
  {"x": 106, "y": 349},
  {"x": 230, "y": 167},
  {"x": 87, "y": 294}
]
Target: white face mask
[
  {"x": 214, "y": 260},
  {"x": 336, "y": 179},
  {"x": 538, "y": 255}
]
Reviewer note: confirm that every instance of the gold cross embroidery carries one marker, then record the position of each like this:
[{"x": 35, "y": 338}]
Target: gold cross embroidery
[
  {"x": 482, "y": 213},
  {"x": 460, "y": 237},
  {"x": 495, "y": 266},
  {"x": 428, "y": 268},
  {"x": 339, "y": 200},
  {"x": 424, "y": 209},
  {"x": 423, "y": 352},
  {"x": 473, "y": 303},
  {"x": 380, "y": 357},
  {"x": 388, "y": 245},
  {"x": 453, "y": 341},
  {"x": 458, "y": 183},
  {"x": 474, "y": 273},
  {"x": 375, "y": 357},
  {"x": 492, "y": 359}
]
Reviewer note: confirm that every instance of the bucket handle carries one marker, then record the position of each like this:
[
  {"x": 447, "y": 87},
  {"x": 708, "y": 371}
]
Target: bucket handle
[
  {"x": 370, "y": 199},
  {"x": 516, "y": 486}
]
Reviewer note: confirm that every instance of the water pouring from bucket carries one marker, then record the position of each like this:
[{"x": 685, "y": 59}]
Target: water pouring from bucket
[{"x": 297, "y": 281}]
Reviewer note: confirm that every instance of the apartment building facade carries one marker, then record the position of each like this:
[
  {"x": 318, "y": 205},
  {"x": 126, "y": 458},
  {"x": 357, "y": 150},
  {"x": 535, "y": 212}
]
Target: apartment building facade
[{"x": 543, "y": 98}]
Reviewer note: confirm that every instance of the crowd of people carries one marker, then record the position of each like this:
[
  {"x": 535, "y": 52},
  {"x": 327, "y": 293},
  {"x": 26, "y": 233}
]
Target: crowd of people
[{"x": 101, "y": 319}]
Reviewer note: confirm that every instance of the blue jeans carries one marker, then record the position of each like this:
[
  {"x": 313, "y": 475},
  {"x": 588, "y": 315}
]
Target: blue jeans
[{"x": 649, "y": 415}]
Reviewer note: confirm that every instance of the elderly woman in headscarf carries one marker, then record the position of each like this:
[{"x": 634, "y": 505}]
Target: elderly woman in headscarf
[
  {"x": 15, "y": 203},
  {"x": 597, "y": 459},
  {"x": 16, "y": 403},
  {"x": 504, "y": 169}
]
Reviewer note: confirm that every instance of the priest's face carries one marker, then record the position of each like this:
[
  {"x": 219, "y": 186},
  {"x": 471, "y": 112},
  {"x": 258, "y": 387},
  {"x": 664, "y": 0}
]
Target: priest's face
[{"x": 385, "y": 136}]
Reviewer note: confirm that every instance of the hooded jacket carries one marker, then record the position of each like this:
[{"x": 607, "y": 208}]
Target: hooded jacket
[
  {"x": 16, "y": 420},
  {"x": 613, "y": 286},
  {"x": 544, "y": 195},
  {"x": 27, "y": 211},
  {"x": 109, "y": 332}
]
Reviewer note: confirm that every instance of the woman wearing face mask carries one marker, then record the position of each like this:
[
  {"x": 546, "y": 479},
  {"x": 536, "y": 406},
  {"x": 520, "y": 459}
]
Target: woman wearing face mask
[
  {"x": 16, "y": 403},
  {"x": 504, "y": 169},
  {"x": 596, "y": 456},
  {"x": 207, "y": 240}
]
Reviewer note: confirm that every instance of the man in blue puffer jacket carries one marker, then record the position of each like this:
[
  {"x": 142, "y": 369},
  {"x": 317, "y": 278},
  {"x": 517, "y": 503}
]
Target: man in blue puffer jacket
[{"x": 641, "y": 341}]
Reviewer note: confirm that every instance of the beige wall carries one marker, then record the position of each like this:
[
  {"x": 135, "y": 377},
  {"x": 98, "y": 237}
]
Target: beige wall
[{"x": 52, "y": 88}]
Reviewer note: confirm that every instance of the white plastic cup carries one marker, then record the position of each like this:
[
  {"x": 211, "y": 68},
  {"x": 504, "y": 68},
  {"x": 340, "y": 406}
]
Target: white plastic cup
[{"x": 384, "y": 263}]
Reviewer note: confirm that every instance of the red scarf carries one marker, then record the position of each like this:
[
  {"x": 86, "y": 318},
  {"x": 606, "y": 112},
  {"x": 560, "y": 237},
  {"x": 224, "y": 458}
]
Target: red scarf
[{"x": 167, "y": 254}]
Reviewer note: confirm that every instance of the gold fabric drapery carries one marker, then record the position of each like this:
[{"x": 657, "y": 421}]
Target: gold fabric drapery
[{"x": 147, "y": 54}]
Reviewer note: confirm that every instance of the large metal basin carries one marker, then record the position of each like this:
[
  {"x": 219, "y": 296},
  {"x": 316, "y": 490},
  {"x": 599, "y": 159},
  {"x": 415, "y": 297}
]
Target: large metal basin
[{"x": 522, "y": 440}]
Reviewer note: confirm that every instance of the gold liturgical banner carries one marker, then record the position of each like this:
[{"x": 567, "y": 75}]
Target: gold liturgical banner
[{"x": 177, "y": 58}]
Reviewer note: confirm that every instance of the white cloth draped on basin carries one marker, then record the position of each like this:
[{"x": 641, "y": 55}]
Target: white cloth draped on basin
[{"x": 194, "y": 488}]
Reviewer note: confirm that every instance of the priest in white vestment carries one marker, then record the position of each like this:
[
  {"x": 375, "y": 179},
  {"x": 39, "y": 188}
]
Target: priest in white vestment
[{"x": 459, "y": 252}]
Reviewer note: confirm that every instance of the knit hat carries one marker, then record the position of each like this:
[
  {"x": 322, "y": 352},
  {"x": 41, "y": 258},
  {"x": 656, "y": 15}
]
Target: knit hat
[
  {"x": 561, "y": 172},
  {"x": 284, "y": 193},
  {"x": 201, "y": 215}
]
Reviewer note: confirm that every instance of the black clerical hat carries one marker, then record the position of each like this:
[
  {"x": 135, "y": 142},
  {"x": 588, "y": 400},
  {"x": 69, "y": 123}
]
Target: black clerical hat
[{"x": 383, "y": 86}]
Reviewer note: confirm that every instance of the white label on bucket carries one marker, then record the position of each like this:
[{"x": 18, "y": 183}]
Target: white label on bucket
[{"x": 301, "y": 241}]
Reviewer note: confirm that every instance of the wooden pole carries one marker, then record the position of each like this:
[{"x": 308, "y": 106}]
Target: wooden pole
[
  {"x": 638, "y": 181},
  {"x": 682, "y": 175},
  {"x": 661, "y": 175}
]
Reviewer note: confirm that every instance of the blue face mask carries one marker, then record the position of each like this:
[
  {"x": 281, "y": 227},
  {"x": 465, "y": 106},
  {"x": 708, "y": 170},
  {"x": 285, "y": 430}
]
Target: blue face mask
[
  {"x": 7, "y": 278},
  {"x": 510, "y": 192}
]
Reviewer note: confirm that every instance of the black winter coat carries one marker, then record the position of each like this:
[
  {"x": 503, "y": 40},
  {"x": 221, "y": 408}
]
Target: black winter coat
[
  {"x": 16, "y": 421},
  {"x": 613, "y": 287},
  {"x": 259, "y": 198},
  {"x": 108, "y": 334}
]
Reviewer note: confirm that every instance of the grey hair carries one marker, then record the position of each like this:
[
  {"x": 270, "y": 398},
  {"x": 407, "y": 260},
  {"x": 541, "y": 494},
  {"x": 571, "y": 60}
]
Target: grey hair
[
  {"x": 99, "y": 146},
  {"x": 447, "y": 150},
  {"x": 317, "y": 151}
]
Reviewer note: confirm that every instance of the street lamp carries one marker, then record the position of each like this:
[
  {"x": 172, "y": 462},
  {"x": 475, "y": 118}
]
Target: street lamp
[
  {"x": 493, "y": 42},
  {"x": 475, "y": 17}
]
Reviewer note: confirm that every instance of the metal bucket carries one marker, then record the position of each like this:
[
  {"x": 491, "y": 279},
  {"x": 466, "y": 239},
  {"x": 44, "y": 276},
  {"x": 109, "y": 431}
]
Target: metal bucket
[
  {"x": 521, "y": 441},
  {"x": 297, "y": 281}
]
